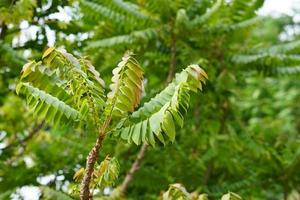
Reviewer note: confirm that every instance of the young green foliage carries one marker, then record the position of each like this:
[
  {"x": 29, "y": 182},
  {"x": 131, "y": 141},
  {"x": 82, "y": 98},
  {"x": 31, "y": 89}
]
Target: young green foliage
[
  {"x": 62, "y": 89},
  {"x": 156, "y": 119},
  {"x": 178, "y": 192},
  {"x": 105, "y": 174},
  {"x": 126, "y": 87}
]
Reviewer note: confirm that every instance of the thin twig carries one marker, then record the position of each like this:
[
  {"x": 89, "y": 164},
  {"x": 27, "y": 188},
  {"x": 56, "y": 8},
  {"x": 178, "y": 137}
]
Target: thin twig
[
  {"x": 3, "y": 31},
  {"x": 22, "y": 143},
  {"x": 172, "y": 65},
  {"x": 34, "y": 131},
  {"x": 135, "y": 167}
]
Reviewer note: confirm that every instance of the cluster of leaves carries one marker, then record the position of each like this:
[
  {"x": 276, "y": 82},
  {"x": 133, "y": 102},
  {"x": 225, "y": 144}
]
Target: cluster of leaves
[
  {"x": 168, "y": 107},
  {"x": 63, "y": 89},
  {"x": 177, "y": 191},
  {"x": 105, "y": 175},
  {"x": 242, "y": 121},
  {"x": 233, "y": 44},
  {"x": 14, "y": 13},
  {"x": 162, "y": 24},
  {"x": 60, "y": 88}
]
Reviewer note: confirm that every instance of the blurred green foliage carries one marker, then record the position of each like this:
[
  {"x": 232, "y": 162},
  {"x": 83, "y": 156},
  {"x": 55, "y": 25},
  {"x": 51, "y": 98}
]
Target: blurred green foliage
[{"x": 241, "y": 134}]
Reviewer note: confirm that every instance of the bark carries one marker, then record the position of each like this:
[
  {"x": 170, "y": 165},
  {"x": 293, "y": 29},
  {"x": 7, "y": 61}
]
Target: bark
[
  {"x": 135, "y": 167},
  {"x": 223, "y": 117},
  {"x": 172, "y": 65},
  {"x": 90, "y": 162},
  {"x": 285, "y": 194},
  {"x": 208, "y": 173},
  {"x": 34, "y": 131},
  {"x": 3, "y": 31}
]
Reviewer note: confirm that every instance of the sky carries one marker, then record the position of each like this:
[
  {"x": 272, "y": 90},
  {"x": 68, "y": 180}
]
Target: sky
[
  {"x": 271, "y": 7},
  {"x": 279, "y": 6}
]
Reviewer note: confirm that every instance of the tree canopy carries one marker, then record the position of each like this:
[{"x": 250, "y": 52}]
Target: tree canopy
[{"x": 104, "y": 95}]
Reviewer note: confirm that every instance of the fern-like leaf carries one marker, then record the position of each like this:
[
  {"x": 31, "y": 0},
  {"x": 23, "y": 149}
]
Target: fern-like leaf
[
  {"x": 243, "y": 24},
  {"x": 130, "y": 8},
  {"x": 45, "y": 105},
  {"x": 126, "y": 87},
  {"x": 270, "y": 63},
  {"x": 47, "y": 100},
  {"x": 199, "y": 20},
  {"x": 96, "y": 9},
  {"x": 156, "y": 120},
  {"x": 244, "y": 9},
  {"x": 283, "y": 48},
  {"x": 266, "y": 57},
  {"x": 135, "y": 36},
  {"x": 287, "y": 70},
  {"x": 60, "y": 81}
]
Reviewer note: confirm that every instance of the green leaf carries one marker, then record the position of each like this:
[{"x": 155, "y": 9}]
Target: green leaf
[
  {"x": 106, "y": 173},
  {"x": 64, "y": 88},
  {"x": 126, "y": 87},
  {"x": 169, "y": 126},
  {"x": 157, "y": 118},
  {"x": 231, "y": 196},
  {"x": 46, "y": 105}
]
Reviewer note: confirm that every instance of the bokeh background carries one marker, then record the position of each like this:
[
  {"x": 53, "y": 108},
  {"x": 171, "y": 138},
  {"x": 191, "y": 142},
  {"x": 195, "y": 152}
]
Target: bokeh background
[{"x": 242, "y": 133}]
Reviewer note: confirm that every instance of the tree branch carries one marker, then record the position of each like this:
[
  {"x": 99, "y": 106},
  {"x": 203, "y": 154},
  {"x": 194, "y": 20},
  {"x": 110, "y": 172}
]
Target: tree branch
[
  {"x": 135, "y": 167},
  {"x": 172, "y": 65},
  {"x": 208, "y": 172},
  {"x": 90, "y": 162},
  {"x": 34, "y": 131},
  {"x": 3, "y": 31},
  {"x": 31, "y": 134},
  {"x": 223, "y": 117}
]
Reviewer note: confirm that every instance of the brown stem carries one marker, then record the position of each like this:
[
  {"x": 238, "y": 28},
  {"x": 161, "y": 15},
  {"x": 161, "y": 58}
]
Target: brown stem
[
  {"x": 22, "y": 143},
  {"x": 223, "y": 117},
  {"x": 208, "y": 173},
  {"x": 34, "y": 131},
  {"x": 285, "y": 194},
  {"x": 197, "y": 114},
  {"x": 3, "y": 31},
  {"x": 135, "y": 167},
  {"x": 90, "y": 162},
  {"x": 172, "y": 65}
]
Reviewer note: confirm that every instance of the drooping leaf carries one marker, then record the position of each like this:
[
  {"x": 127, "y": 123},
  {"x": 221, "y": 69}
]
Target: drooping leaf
[
  {"x": 156, "y": 119},
  {"x": 106, "y": 173},
  {"x": 231, "y": 196}
]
